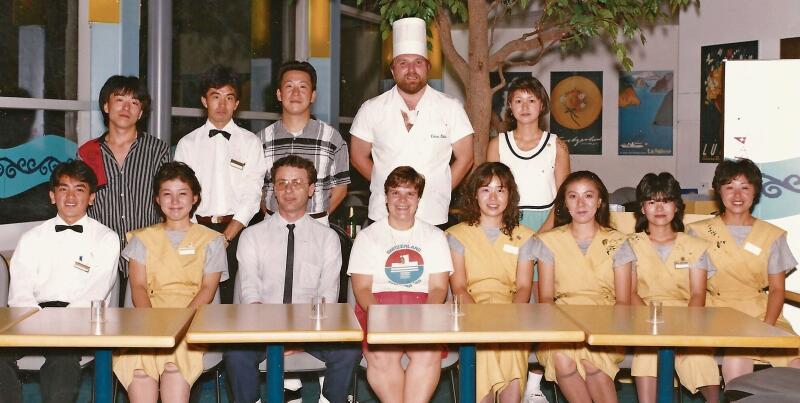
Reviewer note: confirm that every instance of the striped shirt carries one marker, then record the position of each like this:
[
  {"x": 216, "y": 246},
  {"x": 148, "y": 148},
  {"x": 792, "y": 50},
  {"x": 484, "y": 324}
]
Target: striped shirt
[
  {"x": 319, "y": 143},
  {"x": 126, "y": 202}
]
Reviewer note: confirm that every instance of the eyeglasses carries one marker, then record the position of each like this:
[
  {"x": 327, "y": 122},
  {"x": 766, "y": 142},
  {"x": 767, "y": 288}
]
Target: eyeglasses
[{"x": 293, "y": 184}]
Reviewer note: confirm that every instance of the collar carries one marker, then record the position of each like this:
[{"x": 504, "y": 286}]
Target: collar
[
  {"x": 82, "y": 221},
  {"x": 230, "y": 127},
  {"x": 311, "y": 126},
  {"x": 139, "y": 134},
  {"x": 281, "y": 222},
  {"x": 397, "y": 99}
]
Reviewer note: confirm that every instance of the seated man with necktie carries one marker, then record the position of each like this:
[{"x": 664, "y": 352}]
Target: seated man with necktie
[
  {"x": 67, "y": 261},
  {"x": 290, "y": 258}
]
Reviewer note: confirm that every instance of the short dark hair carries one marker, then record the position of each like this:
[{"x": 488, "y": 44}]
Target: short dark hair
[
  {"x": 218, "y": 76},
  {"x": 663, "y": 187},
  {"x": 294, "y": 65},
  {"x": 75, "y": 169},
  {"x": 562, "y": 216},
  {"x": 126, "y": 85},
  {"x": 176, "y": 170},
  {"x": 483, "y": 174},
  {"x": 531, "y": 85},
  {"x": 728, "y": 170},
  {"x": 295, "y": 161},
  {"x": 405, "y": 175}
]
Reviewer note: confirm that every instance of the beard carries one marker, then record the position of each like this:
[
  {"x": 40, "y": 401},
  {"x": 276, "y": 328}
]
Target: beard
[{"x": 411, "y": 87}]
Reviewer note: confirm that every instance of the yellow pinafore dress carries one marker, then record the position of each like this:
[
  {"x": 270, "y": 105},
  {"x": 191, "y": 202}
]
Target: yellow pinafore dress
[
  {"x": 582, "y": 280},
  {"x": 173, "y": 280},
  {"x": 668, "y": 281},
  {"x": 741, "y": 279},
  {"x": 491, "y": 270}
]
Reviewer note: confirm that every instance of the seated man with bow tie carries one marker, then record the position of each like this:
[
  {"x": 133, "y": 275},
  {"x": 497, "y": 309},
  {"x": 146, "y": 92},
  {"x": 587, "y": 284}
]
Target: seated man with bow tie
[
  {"x": 229, "y": 163},
  {"x": 67, "y": 261},
  {"x": 291, "y": 258}
]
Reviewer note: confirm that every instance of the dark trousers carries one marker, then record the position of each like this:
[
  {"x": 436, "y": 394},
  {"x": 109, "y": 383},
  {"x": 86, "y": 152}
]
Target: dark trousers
[
  {"x": 340, "y": 361},
  {"x": 59, "y": 377},
  {"x": 226, "y": 287}
]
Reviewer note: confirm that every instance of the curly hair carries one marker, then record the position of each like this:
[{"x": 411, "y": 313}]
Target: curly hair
[
  {"x": 663, "y": 187},
  {"x": 530, "y": 85},
  {"x": 562, "y": 216},
  {"x": 483, "y": 174}
]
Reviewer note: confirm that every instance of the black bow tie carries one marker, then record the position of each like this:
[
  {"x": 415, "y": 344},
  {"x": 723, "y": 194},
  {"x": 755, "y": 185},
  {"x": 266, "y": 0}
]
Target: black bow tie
[
  {"x": 214, "y": 132},
  {"x": 76, "y": 228}
]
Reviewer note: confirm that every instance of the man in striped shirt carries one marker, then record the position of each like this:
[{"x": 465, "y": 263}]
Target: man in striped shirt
[
  {"x": 125, "y": 159},
  {"x": 297, "y": 133}
]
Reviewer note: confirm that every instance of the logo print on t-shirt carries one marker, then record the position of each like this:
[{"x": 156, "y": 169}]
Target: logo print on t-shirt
[{"x": 404, "y": 266}]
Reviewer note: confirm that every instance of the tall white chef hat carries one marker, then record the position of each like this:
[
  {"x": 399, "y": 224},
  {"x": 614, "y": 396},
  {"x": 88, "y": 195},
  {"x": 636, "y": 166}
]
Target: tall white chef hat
[{"x": 409, "y": 37}]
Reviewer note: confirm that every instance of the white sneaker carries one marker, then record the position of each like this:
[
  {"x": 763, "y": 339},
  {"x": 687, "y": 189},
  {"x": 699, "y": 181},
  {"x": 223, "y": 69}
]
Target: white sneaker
[{"x": 535, "y": 396}]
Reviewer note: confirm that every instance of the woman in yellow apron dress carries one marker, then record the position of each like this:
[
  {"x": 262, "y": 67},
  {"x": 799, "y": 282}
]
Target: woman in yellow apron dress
[
  {"x": 583, "y": 262},
  {"x": 671, "y": 268},
  {"x": 751, "y": 257},
  {"x": 174, "y": 264},
  {"x": 487, "y": 248}
]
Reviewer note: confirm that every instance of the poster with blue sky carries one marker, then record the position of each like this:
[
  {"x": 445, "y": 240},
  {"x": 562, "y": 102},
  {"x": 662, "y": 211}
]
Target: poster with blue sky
[{"x": 645, "y": 113}]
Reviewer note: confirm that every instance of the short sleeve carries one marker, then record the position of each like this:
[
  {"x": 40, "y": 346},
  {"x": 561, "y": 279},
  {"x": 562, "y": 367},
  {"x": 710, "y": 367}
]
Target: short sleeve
[
  {"x": 460, "y": 126},
  {"x": 135, "y": 250},
  {"x": 624, "y": 254},
  {"x": 361, "y": 255},
  {"x": 362, "y": 126},
  {"x": 216, "y": 259},
  {"x": 526, "y": 250},
  {"x": 780, "y": 257},
  {"x": 704, "y": 263},
  {"x": 541, "y": 252},
  {"x": 455, "y": 245}
]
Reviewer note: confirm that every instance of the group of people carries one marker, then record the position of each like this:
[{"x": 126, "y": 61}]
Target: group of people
[{"x": 189, "y": 232}]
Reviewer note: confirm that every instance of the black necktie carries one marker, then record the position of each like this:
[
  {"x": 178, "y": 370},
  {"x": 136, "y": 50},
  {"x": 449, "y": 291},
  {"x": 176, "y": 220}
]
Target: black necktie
[
  {"x": 287, "y": 281},
  {"x": 76, "y": 228},
  {"x": 214, "y": 132}
]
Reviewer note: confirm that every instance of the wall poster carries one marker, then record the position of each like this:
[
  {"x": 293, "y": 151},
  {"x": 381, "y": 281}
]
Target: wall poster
[
  {"x": 645, "y": 113},
  {"x": 576, "y": 106}
]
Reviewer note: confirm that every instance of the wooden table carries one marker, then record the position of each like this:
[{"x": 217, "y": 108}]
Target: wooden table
[
  {"x": 682, "y": 327},
  {"x": 124, "y": 327},
  {"x": 273, "y": 324},
  {"x": 11, "y": 316},
  {"x": 481, "y": 323}
]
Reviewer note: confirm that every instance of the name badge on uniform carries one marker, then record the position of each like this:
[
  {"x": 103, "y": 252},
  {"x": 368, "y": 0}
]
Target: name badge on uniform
[
  {"x": 682, "y": 265},
  {"x": 511, "y": 249},
  {"x": 186, "y": 250},
  {"x": 80, "y": 265},
  {"x": 236, "y": 164},
  {"x": 752, "y": 248}
]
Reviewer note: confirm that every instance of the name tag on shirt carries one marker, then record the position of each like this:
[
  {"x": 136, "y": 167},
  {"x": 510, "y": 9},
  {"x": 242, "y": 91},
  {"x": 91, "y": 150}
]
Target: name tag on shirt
[
  {"x": 752, "y": 248},
  {"x": 236, "y": 164},
  {"x": 511, "y": 249},
  {"x": 186, "y": 250},
  {"x": 682, "y": 265},
  {"x": 81, "y": 266}
]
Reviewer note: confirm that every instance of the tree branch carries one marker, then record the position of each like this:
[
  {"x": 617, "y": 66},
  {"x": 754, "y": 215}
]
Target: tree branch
[
  {"x": 448, "y": 49},
  {"x": 502, "y": 84},
  {"x": 526, "y": 42},
  {"x": 492, "y": 7}
]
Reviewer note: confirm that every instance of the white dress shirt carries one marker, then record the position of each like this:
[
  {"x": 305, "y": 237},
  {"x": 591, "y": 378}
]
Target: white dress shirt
[
  {"x": 64, "y": 266},
  {"x": 231, "y": 172},
  {"x": 427, "y": 147},
  {"x": 262, "y": 261}
]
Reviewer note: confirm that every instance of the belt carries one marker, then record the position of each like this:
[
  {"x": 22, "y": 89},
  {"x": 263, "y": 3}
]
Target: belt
[
  {"x": 312, "y": 215},
  {"x": 214, "y": 219}
]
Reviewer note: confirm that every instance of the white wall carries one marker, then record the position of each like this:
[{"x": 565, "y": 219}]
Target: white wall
[{"x": 668, "y": 47}]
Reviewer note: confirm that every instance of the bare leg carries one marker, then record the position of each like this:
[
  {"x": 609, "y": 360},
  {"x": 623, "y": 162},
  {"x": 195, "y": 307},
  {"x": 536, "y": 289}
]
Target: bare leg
[
  {"x": 601, "y": 386},
  {"x": 385, "y": 375},
  {"x": 174, "y": 389},
  {"x": 143, "y": 389},
  {"x": 735, "y": 366},
  {"x": 710, "y": 393},
  {"x": 645, "y": 389},
  {"x": 422, "y": 375},
  {"x": 489, "y": 398},
  {"x": 511, "y": 393},
  {"x": 569, "y": 381}
]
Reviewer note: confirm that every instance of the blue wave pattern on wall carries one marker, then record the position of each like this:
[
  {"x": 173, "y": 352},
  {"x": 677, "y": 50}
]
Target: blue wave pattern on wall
[
  {"x": 780, "y": 195},
  {"x": 30, "y": 164}
]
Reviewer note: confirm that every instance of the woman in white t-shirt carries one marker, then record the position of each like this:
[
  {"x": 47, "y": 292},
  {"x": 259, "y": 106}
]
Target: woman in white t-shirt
[{"x": 400, "y": 260}]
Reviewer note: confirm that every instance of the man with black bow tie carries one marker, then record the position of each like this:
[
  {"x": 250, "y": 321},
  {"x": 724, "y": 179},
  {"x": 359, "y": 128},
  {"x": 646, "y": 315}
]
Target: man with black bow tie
[
  {"x": 229, "y": 163},
  {"x": 67, "y": 261}
]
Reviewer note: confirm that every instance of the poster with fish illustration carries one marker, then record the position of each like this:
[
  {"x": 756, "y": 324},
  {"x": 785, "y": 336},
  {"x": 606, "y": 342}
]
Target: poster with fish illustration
[
  {"x": 712, "y": 106},
  {"x": 576, "y": 106},
  {"x": 645, "y": 113}
]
